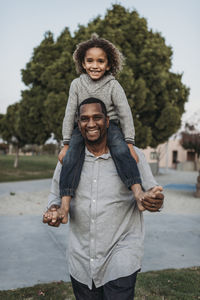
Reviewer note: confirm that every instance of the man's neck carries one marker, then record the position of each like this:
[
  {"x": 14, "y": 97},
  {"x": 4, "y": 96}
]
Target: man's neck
[{"x": 96, "y": 149}]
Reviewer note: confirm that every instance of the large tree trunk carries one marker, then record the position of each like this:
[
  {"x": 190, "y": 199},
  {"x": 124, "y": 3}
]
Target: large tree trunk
[{"x": 16, "y": 162}]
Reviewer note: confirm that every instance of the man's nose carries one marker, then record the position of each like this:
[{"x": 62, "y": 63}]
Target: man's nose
[{"x": 91, "y": 123}]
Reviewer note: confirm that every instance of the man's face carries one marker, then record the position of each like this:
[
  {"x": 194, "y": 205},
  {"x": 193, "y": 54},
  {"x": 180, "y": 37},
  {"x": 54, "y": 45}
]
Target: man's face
[{"x": 92, "y": 123}]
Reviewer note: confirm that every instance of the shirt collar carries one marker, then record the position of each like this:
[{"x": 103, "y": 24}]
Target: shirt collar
[{"x": 104, "y": 156}]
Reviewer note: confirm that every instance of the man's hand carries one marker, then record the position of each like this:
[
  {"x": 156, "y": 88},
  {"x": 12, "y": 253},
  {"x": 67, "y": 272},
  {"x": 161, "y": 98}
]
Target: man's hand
[
  {"x": 153, "y": 204},
  {"x": 51, "y": 216}
]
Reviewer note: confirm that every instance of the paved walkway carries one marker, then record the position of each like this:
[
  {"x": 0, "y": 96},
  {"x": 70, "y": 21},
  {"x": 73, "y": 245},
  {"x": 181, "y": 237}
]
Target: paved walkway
[{"x": 32, "y": 252}]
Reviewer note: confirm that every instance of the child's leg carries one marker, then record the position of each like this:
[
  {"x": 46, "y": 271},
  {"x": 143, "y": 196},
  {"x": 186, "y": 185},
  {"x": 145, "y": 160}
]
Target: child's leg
[
  {"x": 72, "y": 165},
  {"x": 71, "y": 171},
  {"x": 125, "y": 164}
]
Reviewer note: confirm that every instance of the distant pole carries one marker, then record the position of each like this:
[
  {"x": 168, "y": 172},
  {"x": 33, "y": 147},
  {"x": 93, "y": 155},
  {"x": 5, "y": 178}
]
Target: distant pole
[
  {"x": 166, "y": 157},
  {"x": 197, "y": 193}
]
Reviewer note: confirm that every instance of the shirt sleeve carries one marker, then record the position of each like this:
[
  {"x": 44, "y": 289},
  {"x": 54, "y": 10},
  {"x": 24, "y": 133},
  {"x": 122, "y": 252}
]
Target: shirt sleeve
[
  {"x": 148, "y": 180},
  {"x": 124, "y": 112},
  {"x": 54, "y": 195},
  {"x": 70, "y": 113}
]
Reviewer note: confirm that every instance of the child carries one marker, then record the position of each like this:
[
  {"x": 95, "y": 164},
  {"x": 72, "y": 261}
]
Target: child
[{"x": 98, "y": 60}]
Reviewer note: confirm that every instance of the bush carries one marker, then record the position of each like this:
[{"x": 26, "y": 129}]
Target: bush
[{"x": 49, "y": 149}]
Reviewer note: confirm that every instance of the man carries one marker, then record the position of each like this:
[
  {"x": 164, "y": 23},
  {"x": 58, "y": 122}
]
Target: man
[{"x": 106, "y": 227}]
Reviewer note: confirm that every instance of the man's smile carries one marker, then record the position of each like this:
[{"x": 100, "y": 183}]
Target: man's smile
[{"x": 92, "y": 132}]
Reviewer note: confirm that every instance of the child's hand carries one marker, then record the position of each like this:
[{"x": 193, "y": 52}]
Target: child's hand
[
  {"x": 62, "y": 153},
  {"x": 156, "y": 190},
  {"x": 54, "y": 215},
  {"x": 133, "y": 153},
  {"x": 51, "y": 216}
]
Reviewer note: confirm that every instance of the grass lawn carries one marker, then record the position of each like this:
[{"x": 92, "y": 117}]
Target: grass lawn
[
  {"x": 30, "y": 167},
  {"x": 181, "y": 284}
]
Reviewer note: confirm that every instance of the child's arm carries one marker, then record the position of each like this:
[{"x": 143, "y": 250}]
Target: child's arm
[
  {"x": 124, "y": 112},
  {"x": 68, "y": 121},
  {"x": 70, "y": 112}
]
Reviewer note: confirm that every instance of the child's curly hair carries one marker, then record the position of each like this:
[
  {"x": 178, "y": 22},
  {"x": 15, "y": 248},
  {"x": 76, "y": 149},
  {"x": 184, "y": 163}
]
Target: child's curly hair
[{"x": 115, "y": 57}]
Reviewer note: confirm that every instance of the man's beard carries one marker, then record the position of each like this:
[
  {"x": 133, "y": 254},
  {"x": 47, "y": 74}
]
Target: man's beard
[{"x": 97, "y": 141}]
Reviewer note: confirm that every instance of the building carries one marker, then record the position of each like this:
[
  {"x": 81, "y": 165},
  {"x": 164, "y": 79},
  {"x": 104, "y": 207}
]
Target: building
[{"x": 171, "y": 155}]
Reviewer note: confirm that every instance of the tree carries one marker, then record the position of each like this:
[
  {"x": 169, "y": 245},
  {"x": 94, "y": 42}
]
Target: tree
[
  {"x": 155, "y": 94},
  {"x": 48, "y": 76},
  {"x": 10, "y": 129},
  {"x": 32, "y": 113}
]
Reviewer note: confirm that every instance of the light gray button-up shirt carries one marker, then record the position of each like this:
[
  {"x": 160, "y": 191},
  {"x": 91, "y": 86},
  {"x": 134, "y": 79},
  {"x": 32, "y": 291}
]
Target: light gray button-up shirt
[{"x": 106, "y": 228}]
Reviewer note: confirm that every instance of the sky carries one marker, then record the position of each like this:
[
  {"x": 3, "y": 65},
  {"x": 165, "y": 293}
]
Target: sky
[{"x": 24, "y": 22}]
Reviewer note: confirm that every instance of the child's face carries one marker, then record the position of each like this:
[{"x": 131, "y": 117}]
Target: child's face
[{"x": 95, "y": 63}]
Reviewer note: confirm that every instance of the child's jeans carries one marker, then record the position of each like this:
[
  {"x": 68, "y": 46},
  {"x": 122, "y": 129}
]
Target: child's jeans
[{"x": 73, "y": 161}]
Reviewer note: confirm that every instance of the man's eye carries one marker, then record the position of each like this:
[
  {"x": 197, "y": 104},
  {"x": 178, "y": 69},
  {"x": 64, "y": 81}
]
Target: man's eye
[
  {"x": 97, "y": 118},
  {"x": 84, "y": 119}
]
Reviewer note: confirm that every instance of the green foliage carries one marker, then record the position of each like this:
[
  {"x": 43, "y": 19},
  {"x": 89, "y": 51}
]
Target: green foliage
[
  {"x": 49, "y": 149},
  {"x": 32, "y": 113},
  {"x": 10, "y": 124},
  {"x": 3, "y": 148},
  {"x": 155, "y": 94},
  {"x": 48, "y": 76}
]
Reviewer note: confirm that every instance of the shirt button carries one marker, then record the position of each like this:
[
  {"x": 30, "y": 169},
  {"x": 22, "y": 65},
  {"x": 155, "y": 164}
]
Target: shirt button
[
  {"x": 91, "y": 259},
  {"x": 95, "y": 180},
  {"x": 93, "y": 200},
  {"x": 92, "y": 221}
]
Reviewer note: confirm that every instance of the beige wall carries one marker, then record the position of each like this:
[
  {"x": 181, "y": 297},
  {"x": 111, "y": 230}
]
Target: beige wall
[{"x": 166, "y": 153}]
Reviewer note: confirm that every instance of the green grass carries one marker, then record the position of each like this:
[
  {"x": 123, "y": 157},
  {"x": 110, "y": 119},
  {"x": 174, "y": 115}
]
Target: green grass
[
  {"x": 30, "y": 167},
  {"x": 181, "y": 284}
]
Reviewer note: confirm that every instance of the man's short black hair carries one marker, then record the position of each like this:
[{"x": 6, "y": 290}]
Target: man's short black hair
[{"x": 93, "y": 100}]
